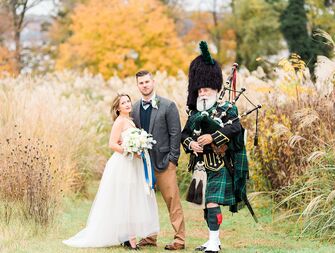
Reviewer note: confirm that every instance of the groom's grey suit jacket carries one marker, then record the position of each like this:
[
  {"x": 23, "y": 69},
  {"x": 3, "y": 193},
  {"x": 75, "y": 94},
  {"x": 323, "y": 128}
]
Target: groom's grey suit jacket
[{"x": 165, "y": 129}]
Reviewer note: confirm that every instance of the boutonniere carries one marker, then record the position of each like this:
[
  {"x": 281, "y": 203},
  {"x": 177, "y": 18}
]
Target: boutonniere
[{"x": 155, "y": 103}]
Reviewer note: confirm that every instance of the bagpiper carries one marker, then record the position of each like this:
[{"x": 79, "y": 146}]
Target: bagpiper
[{"x": 214, "y": 138}]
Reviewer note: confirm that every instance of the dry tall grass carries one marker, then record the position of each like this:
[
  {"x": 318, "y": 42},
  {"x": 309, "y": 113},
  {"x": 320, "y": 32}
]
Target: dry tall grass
[
  {"x": 310, "y": 199},
  {"x": 295, "y": 158},
  {"x": 47, "y": 144},
  {"x": 289, "y": 138}
]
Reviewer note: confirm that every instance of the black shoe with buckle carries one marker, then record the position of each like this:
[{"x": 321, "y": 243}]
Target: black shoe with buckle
[
  {"x": 203, "y": 248},
  {"x": 127, "y": 245},
  {"x": 200, "y": 248}
]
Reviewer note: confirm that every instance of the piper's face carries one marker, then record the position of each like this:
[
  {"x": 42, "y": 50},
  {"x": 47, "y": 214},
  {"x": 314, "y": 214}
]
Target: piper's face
[{"x": 206, "y": 92}]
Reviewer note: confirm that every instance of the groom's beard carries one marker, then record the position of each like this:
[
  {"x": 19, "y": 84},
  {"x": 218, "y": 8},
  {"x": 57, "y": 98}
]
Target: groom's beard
[
  {"x": 206, "y": 102},
  {"x": 148, "y": 93}
]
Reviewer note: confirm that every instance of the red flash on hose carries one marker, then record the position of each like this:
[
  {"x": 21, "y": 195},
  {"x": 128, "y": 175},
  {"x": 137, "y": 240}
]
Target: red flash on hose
[{"x": 219, "y": 218}]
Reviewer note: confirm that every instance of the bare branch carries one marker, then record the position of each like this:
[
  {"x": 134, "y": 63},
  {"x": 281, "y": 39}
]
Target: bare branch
[
  {"x": 34, "y": 3},
  {"x": 22, "y": 14}
]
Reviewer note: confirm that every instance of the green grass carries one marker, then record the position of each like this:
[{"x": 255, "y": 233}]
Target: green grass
[{"x": 239, "y": 233}]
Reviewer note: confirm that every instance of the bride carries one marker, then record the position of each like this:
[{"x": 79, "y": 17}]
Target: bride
[{"x": 122, "y": 209}]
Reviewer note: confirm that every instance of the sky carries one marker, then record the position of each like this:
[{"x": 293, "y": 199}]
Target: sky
[
  {"x": 47, "y": 7},
  {"x": 202, "y": 4}
]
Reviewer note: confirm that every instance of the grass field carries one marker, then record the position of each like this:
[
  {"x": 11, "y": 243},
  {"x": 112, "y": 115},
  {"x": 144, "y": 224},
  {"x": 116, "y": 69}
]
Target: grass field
[{"x": 239, "y": 233}]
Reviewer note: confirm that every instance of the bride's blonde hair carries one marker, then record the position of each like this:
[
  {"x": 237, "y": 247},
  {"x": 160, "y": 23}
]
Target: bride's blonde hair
[{"x": 116, "y": 103}]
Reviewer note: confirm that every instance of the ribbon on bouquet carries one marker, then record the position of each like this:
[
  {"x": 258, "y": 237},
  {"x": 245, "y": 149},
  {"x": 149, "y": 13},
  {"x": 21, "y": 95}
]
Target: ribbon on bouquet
[{"x": 149, "y": 174}]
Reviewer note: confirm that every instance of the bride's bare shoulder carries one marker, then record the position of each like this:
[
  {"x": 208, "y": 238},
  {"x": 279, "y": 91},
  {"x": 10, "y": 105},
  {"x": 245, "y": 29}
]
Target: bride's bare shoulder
[
  {"x": 118, "y": 122},
  {"x": 125, "y": 121}
]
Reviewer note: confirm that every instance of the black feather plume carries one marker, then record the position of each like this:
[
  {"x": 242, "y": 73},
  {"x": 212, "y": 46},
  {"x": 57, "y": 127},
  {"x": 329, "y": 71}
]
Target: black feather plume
[{"x": 205, "y": 53}]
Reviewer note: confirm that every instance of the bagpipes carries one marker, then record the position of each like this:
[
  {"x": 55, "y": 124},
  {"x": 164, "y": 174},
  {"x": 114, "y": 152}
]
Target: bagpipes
[
  {"x": 211, "y": 121},
  {"x": 231, "y": 87}
]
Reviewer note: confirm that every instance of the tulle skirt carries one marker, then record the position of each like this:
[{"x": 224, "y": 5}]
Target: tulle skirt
[{"x": 123, "y": 207}]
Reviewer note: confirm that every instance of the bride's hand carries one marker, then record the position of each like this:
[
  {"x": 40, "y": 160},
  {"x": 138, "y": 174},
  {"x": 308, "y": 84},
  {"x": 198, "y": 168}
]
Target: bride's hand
[{"x": 137, "y": 156}]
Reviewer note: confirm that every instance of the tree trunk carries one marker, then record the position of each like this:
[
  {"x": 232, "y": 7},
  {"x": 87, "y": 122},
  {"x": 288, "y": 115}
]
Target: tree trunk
[
  {"x": 238, "y": 56},
  {"x": 17, "y": 55},
  {"x": 18, "y": 18}
]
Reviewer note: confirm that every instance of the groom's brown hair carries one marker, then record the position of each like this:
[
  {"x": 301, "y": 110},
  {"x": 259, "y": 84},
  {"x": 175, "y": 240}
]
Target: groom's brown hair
[{"x": 142, "y": 73}]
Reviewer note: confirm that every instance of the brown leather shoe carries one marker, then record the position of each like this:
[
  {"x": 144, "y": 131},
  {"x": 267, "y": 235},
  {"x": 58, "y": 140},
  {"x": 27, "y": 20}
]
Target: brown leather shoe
[
  {"x": 145, "y": 243},
  {"x": 174, "y": 246}
]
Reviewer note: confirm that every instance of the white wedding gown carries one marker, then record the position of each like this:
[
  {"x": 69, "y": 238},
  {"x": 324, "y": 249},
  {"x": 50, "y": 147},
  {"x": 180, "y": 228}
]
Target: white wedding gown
[{"x": 122, "y": 208}]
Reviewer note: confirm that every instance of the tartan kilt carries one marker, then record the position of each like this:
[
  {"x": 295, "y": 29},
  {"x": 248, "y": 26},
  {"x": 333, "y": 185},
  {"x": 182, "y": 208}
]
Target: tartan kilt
[{"x": 219, "y": 188}]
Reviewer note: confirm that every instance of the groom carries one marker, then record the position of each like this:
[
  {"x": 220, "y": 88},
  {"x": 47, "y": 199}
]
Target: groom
[{"x": 159, "y": 117}]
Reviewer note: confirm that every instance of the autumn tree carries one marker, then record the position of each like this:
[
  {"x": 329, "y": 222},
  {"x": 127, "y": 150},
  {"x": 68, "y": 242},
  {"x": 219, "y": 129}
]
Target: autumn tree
[
  {"x": 321, "y": 15},
  {"x": 17, "y": 10},
  {"x": 121, "y": 37},
  {"x": 298, "y": 27},
  {"x": 176, "y": 11},
  {"x": 7, "y": 63},
  {"x": 257, "y": 31},
  {"x": 294, "y": 27},
  {"x": 60, "y": 29},
  {"x": 214, "y": 27}
]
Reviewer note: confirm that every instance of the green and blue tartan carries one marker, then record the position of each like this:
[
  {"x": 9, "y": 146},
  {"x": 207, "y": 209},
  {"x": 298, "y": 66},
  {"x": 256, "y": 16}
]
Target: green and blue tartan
[
  {"x": 219, "y": 188},
  {"x": 219, "y": 184},
  {"x": 241, "y": 174}
]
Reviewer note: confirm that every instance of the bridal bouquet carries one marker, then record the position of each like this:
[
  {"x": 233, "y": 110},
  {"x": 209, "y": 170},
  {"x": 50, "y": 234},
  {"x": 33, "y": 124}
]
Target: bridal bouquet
[{"x": 136, "y": 140}]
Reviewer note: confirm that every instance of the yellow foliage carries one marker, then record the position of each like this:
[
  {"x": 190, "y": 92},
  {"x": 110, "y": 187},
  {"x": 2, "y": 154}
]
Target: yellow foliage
[
  {"x": 295, "y": 69},
  {"x": 290, "y": 91},
  {"x": 263, "y": 89},
  {"x": 272, "y": 147},
  {"x": 294, "y": 66},
  {"x": 7, "y": 64},
  {"x": 120, "y": 37}
]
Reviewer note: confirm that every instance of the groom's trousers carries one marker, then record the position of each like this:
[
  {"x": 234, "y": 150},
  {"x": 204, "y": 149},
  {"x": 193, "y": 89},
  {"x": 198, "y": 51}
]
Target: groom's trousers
[{"x": 168, "y": 186}]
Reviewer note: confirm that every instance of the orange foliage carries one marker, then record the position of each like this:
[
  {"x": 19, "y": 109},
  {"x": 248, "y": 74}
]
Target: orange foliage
[
  {"x": 204, "y": 29},
  {"x": 120, "y": 37},
  {"x": 202, "y": 24},
  {"x": 7, "y": 63}
]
